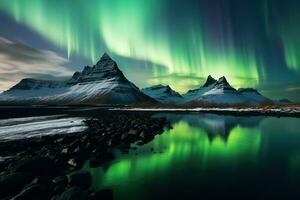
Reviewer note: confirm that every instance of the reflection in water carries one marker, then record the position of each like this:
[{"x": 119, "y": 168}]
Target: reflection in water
[
  {"x": 195, "y": 144},
  {"x": 206, "y": 156}
]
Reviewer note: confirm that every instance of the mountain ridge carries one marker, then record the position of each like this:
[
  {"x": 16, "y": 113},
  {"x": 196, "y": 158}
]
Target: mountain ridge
[
  {"x": 103, "y": 83},
  {"x": 163, "y": 93},
  {"x": 217, "y": 92}
]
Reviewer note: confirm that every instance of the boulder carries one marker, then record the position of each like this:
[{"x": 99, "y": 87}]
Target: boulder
[
  {"x": 13, "y": 183},
  {"x": 82, "y": 180},
  {"x": 105, "y": 194},
  {"x": 73, "y": 193},
  {"x": 36, "y": 166},
  {"x": 34, "y": 192}
]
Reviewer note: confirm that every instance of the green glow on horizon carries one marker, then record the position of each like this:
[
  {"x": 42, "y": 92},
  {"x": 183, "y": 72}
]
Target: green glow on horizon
[{"x": 179, "y": 146}]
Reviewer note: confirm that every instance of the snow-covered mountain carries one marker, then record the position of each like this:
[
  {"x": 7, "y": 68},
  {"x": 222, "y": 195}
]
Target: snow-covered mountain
[
  {"x": 192, "y": 95},
  {"x": 221, "y": 92},
  {"x": 163, "y": 94},
  {"x": 103, "y": 83},
  {"x": 253, "y": 95}
]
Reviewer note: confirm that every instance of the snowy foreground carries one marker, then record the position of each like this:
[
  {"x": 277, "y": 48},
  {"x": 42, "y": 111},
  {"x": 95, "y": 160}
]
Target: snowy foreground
[
  {"x": 28, "y": 127},
  {"x": 293, "y": 112}
]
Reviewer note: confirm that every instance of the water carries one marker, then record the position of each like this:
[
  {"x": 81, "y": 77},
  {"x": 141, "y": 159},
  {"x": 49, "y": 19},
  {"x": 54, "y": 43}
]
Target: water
[
  {"x": 204, "y": 156},
  {"x": 209, "y": 156}
]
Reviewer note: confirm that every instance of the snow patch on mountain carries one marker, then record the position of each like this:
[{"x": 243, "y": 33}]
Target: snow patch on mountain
[
  {"x": 221, "y": 92},
  {"x": 163, "y": 94},
  {"x": 104, "y": 83},
  {"x": 253, "y": 95}
]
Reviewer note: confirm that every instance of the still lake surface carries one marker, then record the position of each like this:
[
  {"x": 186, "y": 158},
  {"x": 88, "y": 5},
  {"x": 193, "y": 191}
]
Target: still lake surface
[
  {"x": 208, "y": 156},
  {"x": 204, "y": 156}
]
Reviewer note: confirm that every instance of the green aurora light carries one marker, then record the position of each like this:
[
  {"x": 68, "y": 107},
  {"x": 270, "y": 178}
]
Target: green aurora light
[
  {"x": 179, "y": 145},
  {"x": 211, "y": 39}
]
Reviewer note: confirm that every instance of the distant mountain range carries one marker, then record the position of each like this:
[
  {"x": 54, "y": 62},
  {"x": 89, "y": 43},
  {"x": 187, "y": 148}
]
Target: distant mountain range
[
  {"x": 104, "y": 83},
  {"x": 212, "y": 92}
]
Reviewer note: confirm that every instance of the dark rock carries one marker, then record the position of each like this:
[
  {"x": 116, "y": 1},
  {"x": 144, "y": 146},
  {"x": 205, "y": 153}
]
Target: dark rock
[
  {"x": 60, "y": 179},
  {"x": 55, "y": 197},
  {"x": 73, "y": 193},
  {"x": 133, "y": 132},
  {"x": 210, "y": 80},
  {"x": 59, "y": 188},
  {"x": 56, "y": 156},
  {"x": 146, "y": 137},
  {"x": 76, "y": 162},
  {"x": 82, "y": 180},
  {"x": 126, "y": 137},
  {"x": 41, "y": 180},
  {"x": 34, "y": 192},
  {"x": 106, "y": 194},
  {"x": 101, "y": 159},
  {"x": 96, "y": 162},
  {"x": 36, "y": 166},
  {"x": 13, "y": 183}
]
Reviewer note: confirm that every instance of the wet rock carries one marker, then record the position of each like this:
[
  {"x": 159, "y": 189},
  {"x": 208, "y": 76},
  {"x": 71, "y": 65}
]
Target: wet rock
[
  {"x": 146, "y": 137},
  {"x": 82, "y": 180},
  {"x": 133, "y": 132},
  {"x": 13, "y": 183},
  {"x": 128, "y": 138},
  {"x": 56, "y": 156},
  {"x": 106, "y": 194},
  {"x": 76, "y": 162},
  {"x": 73, "y": 193},
  {"x": 59, "y": 188},
  {"x": 41, "y": 180},
  {"x": 96, "y": 162},
  {"x": 101, "y": 158},
  {"x": 60, "y": 179},
  {"x": 55, "y": 197},
  {"x": 34, "y": 192},
  {"x": 36, "y": 166}
]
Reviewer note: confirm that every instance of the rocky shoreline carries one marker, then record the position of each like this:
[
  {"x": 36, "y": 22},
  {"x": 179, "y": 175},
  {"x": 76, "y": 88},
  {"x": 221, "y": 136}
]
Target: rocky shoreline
[{"x": 46, "y": 167}]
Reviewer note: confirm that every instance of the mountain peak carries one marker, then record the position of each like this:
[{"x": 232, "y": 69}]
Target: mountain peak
[
  {"x": 105, "y": 68},
  {"x": 222, "y": 83},
  {"x": 105, "y": 58},
  {"x": 163, "y": 94},
  {"x": 222, "y": 80},
  {"x": 210, "y": 80}
]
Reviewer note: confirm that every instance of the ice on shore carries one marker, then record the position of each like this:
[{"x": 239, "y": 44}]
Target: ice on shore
[{"x": 21, "y": 128}]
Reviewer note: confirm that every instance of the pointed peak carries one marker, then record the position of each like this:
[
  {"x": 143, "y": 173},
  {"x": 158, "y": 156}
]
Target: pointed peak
[
  {"x": 222, "y": 79},
  {"x": 104, "y": 58},
  {"x": 223, "y": 83},
  {"x": 105, "y": 55},
  {"x": 210, "y": 80}
]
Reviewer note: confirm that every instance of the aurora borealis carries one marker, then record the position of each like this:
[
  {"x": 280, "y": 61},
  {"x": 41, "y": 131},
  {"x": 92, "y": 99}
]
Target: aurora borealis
[{"x": 254, "y": 43}]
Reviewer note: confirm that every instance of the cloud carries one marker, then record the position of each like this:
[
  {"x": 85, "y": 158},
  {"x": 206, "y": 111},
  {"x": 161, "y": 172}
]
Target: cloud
[{"x": 18, "y": 61}]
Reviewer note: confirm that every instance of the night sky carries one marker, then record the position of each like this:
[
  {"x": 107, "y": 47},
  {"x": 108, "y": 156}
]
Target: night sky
[{"x": 254, "y": 43}]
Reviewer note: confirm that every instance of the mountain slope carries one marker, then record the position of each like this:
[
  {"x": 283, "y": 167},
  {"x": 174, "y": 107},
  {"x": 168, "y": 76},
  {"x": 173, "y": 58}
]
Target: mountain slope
[
  {"x": 192, "y": 95},
  {"x": 254, "y": 95},
  {"x": 221, "y": 92},
  {"x": 163, "y": 94},
  {"x": 104, "y": 83}
]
